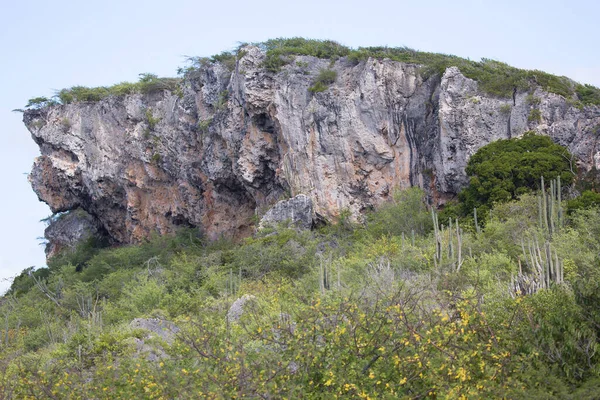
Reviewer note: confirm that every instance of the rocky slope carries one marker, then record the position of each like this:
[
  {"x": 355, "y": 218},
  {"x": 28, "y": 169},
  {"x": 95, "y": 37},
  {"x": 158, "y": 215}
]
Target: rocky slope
[{"x": 233, "y": 143}]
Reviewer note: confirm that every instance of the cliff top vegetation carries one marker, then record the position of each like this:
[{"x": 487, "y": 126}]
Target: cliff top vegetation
[{"x": 494, "y": 77}]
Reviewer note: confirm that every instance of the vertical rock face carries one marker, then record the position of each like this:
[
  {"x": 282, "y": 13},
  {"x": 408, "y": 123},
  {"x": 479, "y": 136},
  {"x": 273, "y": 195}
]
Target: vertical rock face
[
  {"x": 235, "y": 142},
  {"x": 297, "y": 210}
]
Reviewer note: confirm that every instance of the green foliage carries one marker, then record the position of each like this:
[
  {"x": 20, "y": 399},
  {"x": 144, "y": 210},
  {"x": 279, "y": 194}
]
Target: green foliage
[
  {"x": 504, "y": 170},
  {"x": 404, "y": 214},
  {"x": 280, "y": 52},
  {"x": 588, "y": 94},
  {"x": 535, "y": 115},
  {"x": 147, "y": 83},
  {"x": 494, "y": 77},
  {"x": 325, "y": 78},
  {"x": 587, "y": 199},
  {"x": 353, "y": 310},
  {"x": 40, "y": 102},
  {"x": 505, "y": 109},
  {"x": 151, "y": 119},
  {"x": 222, "y": 100},
  {"x": 204, "y": 125}
]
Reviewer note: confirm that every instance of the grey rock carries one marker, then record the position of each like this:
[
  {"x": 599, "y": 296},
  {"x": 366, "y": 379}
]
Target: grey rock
[
  {"x": 236, "y": 310},
  {"x": 66, "y": 230},
  {"x": 236, "y": 141},
  {"x": 297, "y": 210},
  {"x": 156, "y": 327}
]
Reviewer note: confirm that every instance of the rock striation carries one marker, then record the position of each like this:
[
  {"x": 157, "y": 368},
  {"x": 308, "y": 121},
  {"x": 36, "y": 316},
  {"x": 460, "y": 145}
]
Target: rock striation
[
  {"x": 231, "y": 143},
  {"x": 297, "y": 210}
]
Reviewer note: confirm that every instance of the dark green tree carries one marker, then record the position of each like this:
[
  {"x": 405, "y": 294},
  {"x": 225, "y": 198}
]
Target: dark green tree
[{"x": 503, "y": 170}]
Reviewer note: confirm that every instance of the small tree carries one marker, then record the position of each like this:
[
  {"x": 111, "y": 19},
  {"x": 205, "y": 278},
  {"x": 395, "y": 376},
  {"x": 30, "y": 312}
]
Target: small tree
[{"x": 504, "y": 170}]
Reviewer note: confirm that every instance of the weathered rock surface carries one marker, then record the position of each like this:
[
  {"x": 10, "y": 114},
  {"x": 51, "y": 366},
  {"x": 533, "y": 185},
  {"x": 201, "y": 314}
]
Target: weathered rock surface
[
  {"x": 237, "y": 141},
  {"x": 67, "y": 230},
  {"x": 297, "y": 210},
  {"x": 156, "y": 328},
  {"x": 236, "y": 310}
]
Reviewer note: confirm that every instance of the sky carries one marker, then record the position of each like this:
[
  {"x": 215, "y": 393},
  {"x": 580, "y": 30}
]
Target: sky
[{"x": 47, "y": 46}]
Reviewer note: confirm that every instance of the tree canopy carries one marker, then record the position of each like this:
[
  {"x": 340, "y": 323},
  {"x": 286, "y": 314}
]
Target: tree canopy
[{"x": 505, "y": 169}]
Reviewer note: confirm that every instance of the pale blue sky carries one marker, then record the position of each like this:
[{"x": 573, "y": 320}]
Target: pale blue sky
[{"x": 49, "y": 45}]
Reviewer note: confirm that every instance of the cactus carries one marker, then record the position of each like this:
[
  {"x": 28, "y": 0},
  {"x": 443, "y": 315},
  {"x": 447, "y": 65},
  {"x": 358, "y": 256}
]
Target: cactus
[
  {"x": 459, "y": 260},
  {"x": 437, "y": 259},
  {"x": 550, "y": 210}
]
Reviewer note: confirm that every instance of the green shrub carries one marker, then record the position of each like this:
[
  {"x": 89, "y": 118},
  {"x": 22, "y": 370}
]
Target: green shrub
[
  {"x": 505, "y": 169},
  {"x": 588, "y": 94},
  {"x": 533, "y": 100},
  {"x": 204, "y": 125},
  {"x": 151, "y": 119},
  {"x": 535, "y": 115},
  {"x": 222, "y": 100},
  {"x": 325, "y": 78},
  {"x": 405, "y": 213},
  {"x": 587, "y": 199},
  {"x": 280, "y": 52},
  {"x": 40, "y": 102},
  {"x": 147, "y": 83}
]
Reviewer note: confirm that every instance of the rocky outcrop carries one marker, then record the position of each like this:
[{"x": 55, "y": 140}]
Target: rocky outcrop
[
  {"x": 297, "y": 210},
  {"x": 236, "y": 310},
  {"x": 234, "y": 142},
  {"x": 66, "y": 230},
  {"x": 155, "y": 328}
]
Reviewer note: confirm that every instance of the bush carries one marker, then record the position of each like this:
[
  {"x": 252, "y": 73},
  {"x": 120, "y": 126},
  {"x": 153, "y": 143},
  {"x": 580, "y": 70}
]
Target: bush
[
  {"x": 405, "y": 213},
  {"x": 587, "y": 199},
  {"x": 535, "y": 115},
  {"x": 588, "y": 94},
  {"x": 147, "y": 83},
  {"x": 504, "y": 170},
  {"x": 325, "y": 78},
  {"x": 280, "y": 52}
]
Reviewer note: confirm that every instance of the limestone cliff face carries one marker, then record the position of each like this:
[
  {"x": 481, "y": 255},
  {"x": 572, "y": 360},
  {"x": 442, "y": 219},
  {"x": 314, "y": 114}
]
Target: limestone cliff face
[{"x": 236, "y": 142}]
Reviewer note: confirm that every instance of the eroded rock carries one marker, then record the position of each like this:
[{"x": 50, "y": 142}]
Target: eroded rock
[
  {"x": 237, "y": 141},
  {"x": 66, "y": 231},
  {"x": 157, "y": 329},
  {"x": 297, "y": 210},
  {"x": 236, "y": 310}
]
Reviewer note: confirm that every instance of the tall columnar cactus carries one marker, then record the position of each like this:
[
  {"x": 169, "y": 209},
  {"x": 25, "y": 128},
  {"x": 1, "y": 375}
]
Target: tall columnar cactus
[
  {"x": 437, "y": 259},
  {"x": 550, "y": 210},
  {"x": 544, "y": 265},
  {"x": 454, "y": 257},
  {"x": 477, "y": 229}
]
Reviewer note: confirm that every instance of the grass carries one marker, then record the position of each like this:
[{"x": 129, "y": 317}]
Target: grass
[
  {"x": 148, "y": 83},
  {"x": 494, "y": 77}
]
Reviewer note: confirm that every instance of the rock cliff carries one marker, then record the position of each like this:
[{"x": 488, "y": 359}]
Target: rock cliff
[{"x": 231, "y": 143}]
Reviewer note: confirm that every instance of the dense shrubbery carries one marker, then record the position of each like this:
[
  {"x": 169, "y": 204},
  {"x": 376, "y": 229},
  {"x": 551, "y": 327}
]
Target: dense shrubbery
[
  {"x": 494, "y": 77},
  {"x": 506, "y": 169},
  {"x": 148, "y": 83},
  {"x": 391, "y": 308}
]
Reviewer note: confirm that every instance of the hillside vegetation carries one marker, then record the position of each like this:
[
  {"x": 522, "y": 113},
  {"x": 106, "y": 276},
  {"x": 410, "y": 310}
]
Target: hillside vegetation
[
  {"x": 494, "y": 77},
  {"x": 408, "y": 304}
]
